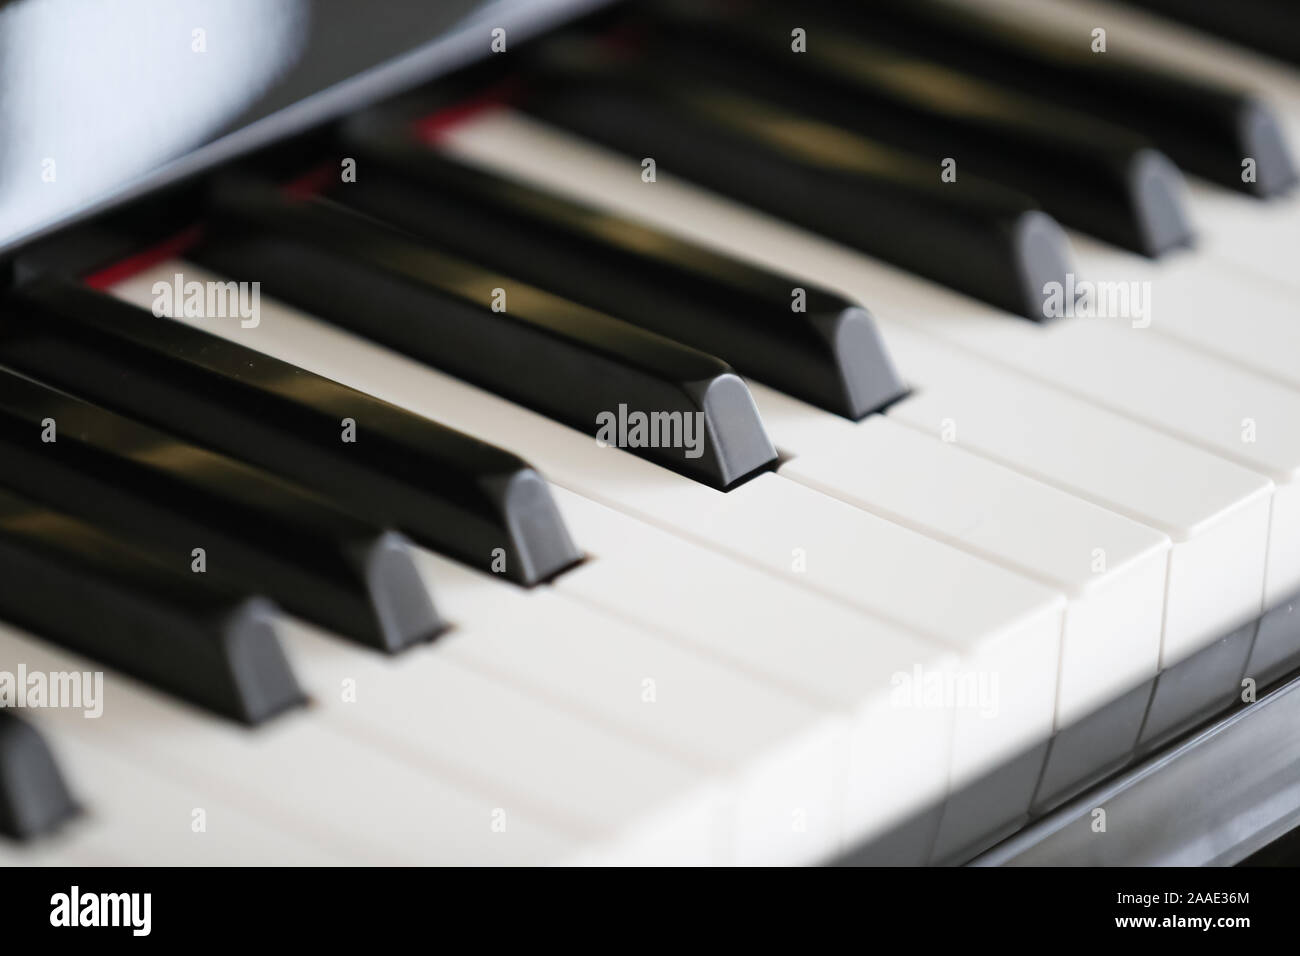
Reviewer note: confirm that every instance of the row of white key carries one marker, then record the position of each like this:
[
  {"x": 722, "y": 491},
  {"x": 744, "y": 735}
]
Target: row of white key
[
  {"x": 759, "y": 780},
  {"x": 1004, "y": 628}
]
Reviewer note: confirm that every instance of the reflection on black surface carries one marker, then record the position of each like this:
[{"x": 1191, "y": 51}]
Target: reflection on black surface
[
  {"x": 133, "y": 84},
  {"x": 95, "y": 96}
]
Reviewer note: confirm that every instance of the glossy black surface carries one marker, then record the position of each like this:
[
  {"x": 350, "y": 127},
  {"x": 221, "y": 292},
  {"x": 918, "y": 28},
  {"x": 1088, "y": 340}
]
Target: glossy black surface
[
  {"x": 1269, "y": 25},
  {"x": 448, "y": 490},
  {"x": 973, "y": 236},
  {"x": 34, "y": 798},
  {"x": 810, "y": 342},
  {"x": 1085, "y": 171},
  {"x": 128, "y": 608},
  {"x": 545, "y": 352},
  {"x": 257, "y": 534},
  {"x": 1204, "y": 127}
]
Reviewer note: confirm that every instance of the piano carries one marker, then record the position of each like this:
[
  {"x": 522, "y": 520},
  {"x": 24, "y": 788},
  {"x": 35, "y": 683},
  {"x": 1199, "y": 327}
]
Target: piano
[{"x": 734, "y": 432}]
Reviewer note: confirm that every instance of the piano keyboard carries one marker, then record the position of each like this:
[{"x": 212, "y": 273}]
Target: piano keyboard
[{"x": 369, "y": 580}]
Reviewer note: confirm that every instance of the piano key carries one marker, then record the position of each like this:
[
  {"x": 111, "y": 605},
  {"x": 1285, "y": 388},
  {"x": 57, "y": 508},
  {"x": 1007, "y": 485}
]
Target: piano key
[
  {"x": 1188, "y": 297},
  {"x": 620, "y": 800},
  {"x": 254, "y": 533},
  {"x": 1132, "y": 372},
  {"x": 1217, "y": 513},
  {"x": 780, "y": 761},
  {"x": 1113, "y": 632},
  {"x": 1206, "y": 402},
  {"x": 1257, "y": 237},
  {"x": 982, "y": 239},
  {"x": 1197, "y": 688},
  {"x": 997, "y": 622},
  {"x": 312, "y": 781},
  {"x": 1218, "y": 561},
  {"x": 1207, "y": 127},
  {"x": 138, "y": 814},
  {"x": 1166, "y": 45},
  {"x": 1271, "y": 25},
  {"x": 816, "y": 649},
  {"x": 34, "y": 799},
  {"x": 443, "y": 488},
  {"x": 569, "y": 362},
  {"x": 82, "y": 589},
  {"x": 1087, "y": 172},
  {"x": 1259, "y": 240},
  {"x": 826, "y": 352},
  {"x": 1111, "y": 568}
]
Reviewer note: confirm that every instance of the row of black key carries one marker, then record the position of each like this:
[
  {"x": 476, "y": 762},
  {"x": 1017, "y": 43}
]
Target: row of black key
[
  {"x": 1086, "y": 172},
  {"x": 242, "y": 456}
]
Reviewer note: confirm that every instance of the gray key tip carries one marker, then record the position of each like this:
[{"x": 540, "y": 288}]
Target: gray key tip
[
  {"x": 736, "y": 443},
  {"x": 1159, "y": 200},
  {"x": 1263, "y": 141},
  {"x": 263, "y": 682},
  {"x": 34, "y": 799},
  {"x": 869, "y": 382},
  {"x": 403, "y": 603},
  {"x": 1043, "y": 260},
  {"x": 539, "y": 545}
]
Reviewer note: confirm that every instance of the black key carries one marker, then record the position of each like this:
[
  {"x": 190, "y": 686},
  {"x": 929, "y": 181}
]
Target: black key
[
  {"x": 445, "y": 489},
  {"x": 973, "y": 236},
  {"x": 1269, "y": 25},
  {"x": 33, "y": 797},
  {"x": 1087, "y": 173},
  {"x": 69, "y": 583},
  {"x": 256, "y": 533},
  {"x": 550, "y": 354},
  {"x": 1206, "y": 128},
  {"x": 827, "y": 353}
]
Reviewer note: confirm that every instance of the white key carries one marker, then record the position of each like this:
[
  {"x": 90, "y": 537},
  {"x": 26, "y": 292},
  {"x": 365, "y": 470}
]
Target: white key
[
  {"x": 1003, "y": 625},
  {"x": 1215, "y": 512},
  {"x": 297, "y": 775},
  {"x": 838, "y": 659},
  {"x": 1142, "y": 376},
  {"x": 1182, "y": 392},
  {"x": 1247, "y": 319},
  {"x": 63, "y": 848},
  {"x": 1111, "y": 569},
  {"x": 781, "y": 760},
  {"x": 135, "y": 815},
  {"x": 1260, "y": 239},
  {"x": 541, "y": 759}
]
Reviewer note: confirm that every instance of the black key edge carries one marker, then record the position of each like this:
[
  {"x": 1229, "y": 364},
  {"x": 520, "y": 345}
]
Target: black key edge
[
  {"x": 259, "y": 671},
  {"x": 742, "y": 448},
  {"x": 1265, "y": 142},
  {"x": 867, "y": 375},
  {"x": 540, "y": 558},
  {"x": 1042, "y": 256},
  {"x": 538, "y": 534},
  {"x": 406, "y": 613}
]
